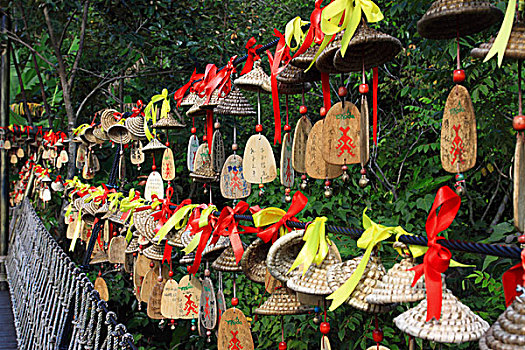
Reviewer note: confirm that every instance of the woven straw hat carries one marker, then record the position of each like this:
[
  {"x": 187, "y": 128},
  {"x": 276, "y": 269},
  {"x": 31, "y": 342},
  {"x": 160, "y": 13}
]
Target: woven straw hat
[
  {"x": 118, "y": 133},
  {"x": 154, "y": 252},
  {"x": 226, "y": 261},
  {"x": 214, "y": 101},
  {"x": 303, "y": 61},
  {"x": 282, "y": 302},
  {"x": 88, "y": 135},
  {"x": 102, "y": 210},
  {"x": 446, "y": 19},
  {"x": 168, "y": 123},
  {"x": 515, "y": 47},
  {"x": 187, "y": 259},
  {"x": 458, "y": 324},
  {"x": 154, "y": 145},
  {"x": 212, "y": 251},
  {"x": 295, "y": 75},
  {"x": 140, "y": 218},
  {"x": 100, "y": 134},
  {"x": 195, "y": 109},
  {"x": 255, "y": 80},
  {"x": 175, "y": 240},
  {"x": 396, "y": 285},
  {"x": 282, "y": 254},
  {"x": 253, "y": 261},
  {"x": 325, "y": 61},
  {"x": 293, "y": 89},
  {"x": 107, "y": 119},
  {"x": 116, "y": 218},
  {"x": 135, "y": 126},
  {"x": 367, "y": 47},
  {"x": 338, "y": 274},
  {"x": 133, "y": 246},
  {"x": 235, "y": 104},
  {"x": 99, "y": 257},
  {"x": 146, "y": 226},
  {"x": 88, "y": 212},
  {"x": 189, "y": 100},
  {"x": 508, "y": 332}
]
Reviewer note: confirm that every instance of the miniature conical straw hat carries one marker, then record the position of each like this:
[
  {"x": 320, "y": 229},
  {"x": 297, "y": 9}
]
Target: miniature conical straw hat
[
  {"x": 303, "y": 61},
  {"x": 100, "y": 134},
  {"x": 368, "y": 48},
  {"x": 282, "y": 254},
  {"x": 205, "y": 173},
  {"x": 255, "y": 80},
  {"x": 187, "y": 259},
  {"x": 338, "y": 274},
  {"x": 153, "y": 145},
  {"x": 189, "y": 99},
  {"x": 447, "y": 19},
  {"x": 235, "y": 104},
  {"x": 253, "y": 261},
  {"x": 226, "y": 261},
  {"x": 325, "y": 61},
  {"x": 515, "y": 47},
  {"x": 107, "y": 118},
  {"x": 396, "y": 285},
  {"x": 294, "y": 75},
  {"x": 195, "y": 108},
  {"x": 293, "y": 89},
  {"x": 282, "y": 301},
  {"x": 135, "y": 126},
  {"x": 118, "y": 133},
  {"x": 133, "y": 246},
  {"x": 176, "y": 239},
  {"x": 214, "y": 101},
  {"x": 89, "y": 136},
  {"x": 458, "y": 324},
  {"x": 168, "y": 123},
  {"x": 508, "y": 332},
  {"x": 154, "y": 252}
]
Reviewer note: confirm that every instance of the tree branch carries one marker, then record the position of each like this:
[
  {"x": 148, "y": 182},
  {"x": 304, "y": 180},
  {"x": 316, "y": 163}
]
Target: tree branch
[
  {"x": 62, "y": 35},
  {"x": 22, "y": 88},
  {"x": 78, "y": 55},
  {"x": 15, "y": 37}
]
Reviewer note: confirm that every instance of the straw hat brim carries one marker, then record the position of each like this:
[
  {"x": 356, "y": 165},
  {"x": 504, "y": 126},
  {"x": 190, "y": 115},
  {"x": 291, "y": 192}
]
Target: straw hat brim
[
  {"x": 282, "y": 254},
  {"x": 515, "y": 47},
  {"x": 283, "y": 302},
  {"x": 253, "y": 261}
]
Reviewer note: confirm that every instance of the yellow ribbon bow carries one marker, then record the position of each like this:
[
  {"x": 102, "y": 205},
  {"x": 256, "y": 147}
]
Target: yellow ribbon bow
[
  {"x": 150, "y": 112},
  {"x": 176, "y": 221},
  {"x": 316, "y": 245},
  {"x": 269, "y": 216},
  {"x": 113, "y": 200},
  {"x": 294, "y": 31},
  {"x": 374, "y": 234},
  {"x": 500, "y": 43},
  {"x": 203, "y": 222},
  {"x": 80, "y": 129}
]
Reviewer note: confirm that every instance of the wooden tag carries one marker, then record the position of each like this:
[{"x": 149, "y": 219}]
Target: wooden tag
[
  {"x": 105, "y": 236},
  {"x": 168, "y": 165},
  {"x": 325, "y": 343},
  {"x": 380, "y": 347},
  {"x": 121, "y": 167},
  {"x": 365, "y": 132},
  {"x": 234, "y": 331},
  {"x": 519, "y": 184},
  {"x": 458, "y": 132},
  {"x": 96, "y": 163},
  {"x": 148, "y": 283},
  {"x": 188, "y": 298},
  {"x": 202, "y": 156},
  {"x": 128, "y": 264},
  {"x": 59, "y": 163},
  {"x": 316, "y": 167},
  {"x": 71, "y": 225},
  {"x": 64, "y": 157},
  {"x": 221, "y": 304},
  {"x": 300, "y": 137},
  {"x": 233, "y": 184},
  {"x": 287, "y": 173},
  {"x": 142, "y": 265},
  {"x": 137, "y": 283},
  {"x": 154, "y": 185},
  {"x": 117, "y": 250},
  {"x": 258, "y": 164},
  {"x": 46, "y": 195},
  {"x": 20, "y": 152},
  {"x": 193, "y": 146},
  {"x": 81, "y": 156},
  {"x": 14, "y": 159},
  {"x": 217, "y": 151},
  {"x": 154, "y": 302},
  {"x": 52, "y": 153},
  {"x": 342, "y": 134},
  {"x": 208, "y": 305},
  {"x": 271, "y": 283},
  {"x": 168, "y": 304},
  {"x": 7, "y": 145},
  {"x": 137, "y": 156},
  {"x": 102, "y": 288},
  {"x": 45, "y": 154}
]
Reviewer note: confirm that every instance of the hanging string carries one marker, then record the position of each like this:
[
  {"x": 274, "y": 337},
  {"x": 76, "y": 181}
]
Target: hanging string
[
  {"x": 258, "y": 107},
  {"x": 520, "y": 105},
  {"x": 286, "y": 99}
]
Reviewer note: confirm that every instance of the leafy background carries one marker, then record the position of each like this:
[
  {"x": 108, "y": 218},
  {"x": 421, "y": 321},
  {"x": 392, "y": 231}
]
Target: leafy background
[{"x": 158, "y": 44}]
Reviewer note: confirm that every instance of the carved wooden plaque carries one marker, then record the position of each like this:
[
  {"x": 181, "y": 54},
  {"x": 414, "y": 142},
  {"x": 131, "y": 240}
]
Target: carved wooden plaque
[
  {"x": 154, "y": 185},
  {"x": 258, "y": 163},
  {"x": 342, "y": 134},
  {"x": 64, "y": 157},
  {"x": 221, "y": 304},
  {"x": 81, "y": 156},
  {"x": 193, "y": 146},
  {"x": 325, "y": 343},
  {"x": 137, "y": 156},
  {"x": 202, "y": 156},
  {"x": 365, "y": 132},
  {"x": 154, "y": 302},
  {"x": 519, "y": 184},
  {"x": 188, "y": 297},
  {"x": 300, "y": 137},
  {"x": 234, "y": 331},
  {"x": 208, "y": 305},
  {"x": 217, "y": 151},
  {"x": 168, "y": 165},
  {"x": 458, "y": 132},
  {"x": 102, "y": 288},
  {"x": 233, "y": 184},
  {"x": 117, "y": 250},
  {"x": 168, "y": 305},
  {"x": 287, "y": 173},
  {"x": 316, "y": 167},
  {"x": 148, "y": 282},
  {"x": 142, "y": 265}
]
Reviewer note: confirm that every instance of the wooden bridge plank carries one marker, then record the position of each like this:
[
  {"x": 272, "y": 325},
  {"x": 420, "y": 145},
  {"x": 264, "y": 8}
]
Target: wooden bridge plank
[{"x": 7, "y": 330}]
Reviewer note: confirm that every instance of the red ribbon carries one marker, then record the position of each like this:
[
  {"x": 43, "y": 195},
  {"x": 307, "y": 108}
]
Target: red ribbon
[
  {"x": 167, "y": 253},
  {"x": 165, "y": 213},
  {"x": 315, "y": 34},
  {"x": 299, "y": 201},
  {"x": 138, "y": 110},
  {"x": 179, "y": 94},
  {"x": 437, "y": 258},
  {"x": 102, "y": 198},
  {"x": 206, "y": 232},
  {"x": 252, "y": 55},
  {"x": 375, "y": 82},
  {"x": 512, "y": 278},
  {"x": 325, "y": 84},
  {"x": 221, "y": 81},
  {"x": 209, "y": 75},
  {"x": 209, "y": 127}
]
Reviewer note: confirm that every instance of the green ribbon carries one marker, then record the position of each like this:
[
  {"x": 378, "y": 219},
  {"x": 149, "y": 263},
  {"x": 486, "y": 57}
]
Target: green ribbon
[{"x": 316, "y": 245}]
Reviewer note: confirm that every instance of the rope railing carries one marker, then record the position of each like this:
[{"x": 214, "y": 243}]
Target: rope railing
[{"x": 55, "y": 306}]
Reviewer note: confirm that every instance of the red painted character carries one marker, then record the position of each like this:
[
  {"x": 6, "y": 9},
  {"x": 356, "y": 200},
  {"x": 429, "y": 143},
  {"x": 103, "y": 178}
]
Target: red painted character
[
  {"x": 236, "y": 181},
  {"x": 288, "y": 171},
  {"x": 345, "y": 143},
  {"x": 235, "y": 344},
  {"x": 190, "y": 305},
  {"x": 457, "y": 146},
  {"x": 207, "y": 308}
]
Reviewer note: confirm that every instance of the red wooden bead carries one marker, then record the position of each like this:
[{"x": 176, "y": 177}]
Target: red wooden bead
[
  {"x": 167, "y": 144},
  {"x": 235, "y": 301},
  {"x": 154, "y": 167},
  {"x": 170, "y": 274},
  {"x": 151, "y": 264},
  {"x": 193, "y": 130},
  {"x": 258, "y": 128},
  {"x": 363, "y": 89},
  {"x": 261, "y": 185},
  {"x": 287, "y": 127},
  {"x": 377, "y": 335},
  {"x": 322, "y": 112},
  {"x": 459, "y": 76},
  {"x": 344, "y": 167},
  {"x": 141, "y": 247},
  {"x": 521, "y": 239},
  {"x": 363, "y": 171},
  {"x": 342, "y": 92},
  {"x": 327, "y": 183},
  {"x": 99, "y": 273},
  {"x": 303, "y": 177},
  {"x": 303, "y": 110},
  {"x": 282, "y": 346},
  {"x": 518, "y": 123},
  {"x": 325, "y": 328}
]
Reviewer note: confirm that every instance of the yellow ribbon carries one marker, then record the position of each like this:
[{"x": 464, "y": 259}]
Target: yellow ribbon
[
  {"x": 80, "y": 128},
  {"x": 176, "y": 221},
  {"x": 374, "y": 234},
  {"x": 113, "y": 200},
  {"x": 150, "y": 112},
  {"x": 269, "y": 216},
  {"x": 76, "y": 234},
  {"x": 315, "y": 247},
  {"x": 203, "y": 221},
  {"x": 500, "y": 44},
  {"x": 294, "y": 31}
]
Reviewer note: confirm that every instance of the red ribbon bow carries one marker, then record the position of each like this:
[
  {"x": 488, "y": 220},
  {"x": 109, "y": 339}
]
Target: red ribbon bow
[
  {"x": 252, "y": 55},
  {"x": 138, "y": 110},
  {"x": 102, "y": 198},
  {"x": 168, "y": 249},
  {"x": 165, "y": 213},
  {"x": 299, "y": 201},
  {"x": 512, "y": 278},
  {"x": 219, "y": 80},
  {"x": 437, "y": 258},
  {"x": 179, "y": 94},
  {"x": 206, "y": 231},
  {"x": 315, "y": 34}
]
